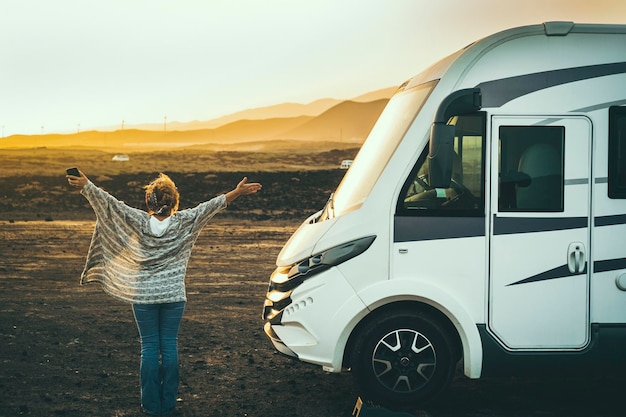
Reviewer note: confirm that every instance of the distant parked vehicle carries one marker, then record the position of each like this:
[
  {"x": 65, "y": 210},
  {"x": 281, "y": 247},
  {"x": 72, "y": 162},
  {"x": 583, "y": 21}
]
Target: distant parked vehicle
[
  {"x": 121, "y": 157},
  {"x": 345, "y": 164}
]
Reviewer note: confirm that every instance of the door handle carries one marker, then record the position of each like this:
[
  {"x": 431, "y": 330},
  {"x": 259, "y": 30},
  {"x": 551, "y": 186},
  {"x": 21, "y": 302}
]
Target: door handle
[{"x": 576, "y": 258}]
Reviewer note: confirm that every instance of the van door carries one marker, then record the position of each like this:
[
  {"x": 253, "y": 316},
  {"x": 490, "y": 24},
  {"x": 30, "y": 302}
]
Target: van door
[{"x": 540, "y": 232}]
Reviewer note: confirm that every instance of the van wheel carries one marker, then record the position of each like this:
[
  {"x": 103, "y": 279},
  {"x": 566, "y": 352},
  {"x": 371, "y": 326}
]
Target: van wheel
[{"x": 403, "y": 359}]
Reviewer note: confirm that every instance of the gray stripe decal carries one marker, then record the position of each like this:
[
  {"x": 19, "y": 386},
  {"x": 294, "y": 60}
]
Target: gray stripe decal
[
  {"x": 510, "y": 225},
  {"x": 558, "y": 272},
  {"x": 576, "y": 181},
  {"x": 418, "y": 228},
  {"x": 499, "y": 92},
  {"x": 610, "y": 220},
  {"x": 563, "y": 271},
  {"x": 609, "y": 265}
]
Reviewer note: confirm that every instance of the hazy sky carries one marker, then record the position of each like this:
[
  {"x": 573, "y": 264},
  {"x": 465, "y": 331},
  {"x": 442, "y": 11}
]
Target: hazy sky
[{"x": 78, "y": 64}]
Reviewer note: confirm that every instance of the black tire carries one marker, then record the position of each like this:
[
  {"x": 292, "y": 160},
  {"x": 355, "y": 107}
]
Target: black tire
[{"x": 403, "y": 358}]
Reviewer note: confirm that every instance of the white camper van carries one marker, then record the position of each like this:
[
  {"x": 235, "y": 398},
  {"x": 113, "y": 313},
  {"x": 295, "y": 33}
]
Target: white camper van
[{"x": 483, "y": 220}]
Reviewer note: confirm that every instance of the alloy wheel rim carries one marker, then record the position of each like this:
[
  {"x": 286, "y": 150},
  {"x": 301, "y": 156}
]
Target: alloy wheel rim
[{"x": 404, "y": 360}]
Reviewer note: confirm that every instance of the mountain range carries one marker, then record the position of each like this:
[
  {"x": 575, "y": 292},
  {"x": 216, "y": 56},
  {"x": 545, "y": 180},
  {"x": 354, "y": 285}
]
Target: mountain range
[{"x": 322, "y": 124}]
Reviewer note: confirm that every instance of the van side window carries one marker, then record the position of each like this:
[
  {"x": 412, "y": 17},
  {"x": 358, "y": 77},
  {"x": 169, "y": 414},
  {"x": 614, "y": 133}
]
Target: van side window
[
  {"x": 617, "y": 152},
  {"x": 531, "y": 168},
  {"x": 466, "y": 194}
]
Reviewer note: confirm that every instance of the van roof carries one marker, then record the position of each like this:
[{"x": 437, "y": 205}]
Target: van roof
[{"x": 481, "y": 46}]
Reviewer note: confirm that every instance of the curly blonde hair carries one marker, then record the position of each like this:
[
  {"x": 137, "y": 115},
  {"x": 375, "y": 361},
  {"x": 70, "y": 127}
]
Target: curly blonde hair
[{"x": 162, "y": 197}]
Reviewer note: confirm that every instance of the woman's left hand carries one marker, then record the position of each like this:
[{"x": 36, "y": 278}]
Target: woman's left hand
[{"x": 245, "y": 188}]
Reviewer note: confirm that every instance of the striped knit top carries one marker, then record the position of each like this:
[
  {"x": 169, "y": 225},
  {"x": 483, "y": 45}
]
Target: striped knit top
[{"x": 133, "y": 264}]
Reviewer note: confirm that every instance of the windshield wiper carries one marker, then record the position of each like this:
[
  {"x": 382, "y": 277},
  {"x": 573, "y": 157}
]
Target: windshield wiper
[
  {"x": 329, "y": 209},
  {"x": 331, "y": 204}
]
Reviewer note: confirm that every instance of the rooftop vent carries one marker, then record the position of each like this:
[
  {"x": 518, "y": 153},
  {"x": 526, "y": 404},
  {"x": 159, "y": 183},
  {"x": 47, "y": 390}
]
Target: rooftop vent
[{"x": 558, "y": 28}]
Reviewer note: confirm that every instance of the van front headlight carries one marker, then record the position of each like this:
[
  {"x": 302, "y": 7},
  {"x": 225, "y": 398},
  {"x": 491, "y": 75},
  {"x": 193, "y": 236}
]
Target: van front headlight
[{"x": 319, "y": 262}]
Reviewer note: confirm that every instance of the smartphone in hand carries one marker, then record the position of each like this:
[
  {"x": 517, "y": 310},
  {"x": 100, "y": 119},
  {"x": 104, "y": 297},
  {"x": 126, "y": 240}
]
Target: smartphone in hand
[{"x": 73, "y": 172}]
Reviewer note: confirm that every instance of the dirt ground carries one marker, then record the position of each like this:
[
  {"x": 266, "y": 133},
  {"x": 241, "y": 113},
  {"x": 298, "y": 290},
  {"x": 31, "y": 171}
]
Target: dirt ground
[{"x": 68, "y": 350}]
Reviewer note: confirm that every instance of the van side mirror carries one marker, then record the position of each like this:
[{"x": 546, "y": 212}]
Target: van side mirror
[
  {"x": 442, "y": 135},
  {"x": 440, "y": 155}
]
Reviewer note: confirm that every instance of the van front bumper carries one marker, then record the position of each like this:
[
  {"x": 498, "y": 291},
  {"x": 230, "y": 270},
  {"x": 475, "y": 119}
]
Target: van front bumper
[
  {"x": 278, "y": 344},
  {"x": 312, "y": 321}
]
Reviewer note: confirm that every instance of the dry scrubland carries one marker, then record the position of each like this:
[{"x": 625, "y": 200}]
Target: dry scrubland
[
  {"x": 53, "y": 161},
  {"x": 33, "y": 185}
]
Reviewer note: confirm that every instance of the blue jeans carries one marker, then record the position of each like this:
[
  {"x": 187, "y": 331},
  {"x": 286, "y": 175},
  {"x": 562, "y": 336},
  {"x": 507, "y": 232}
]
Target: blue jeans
[{"x": 158, "y": 326}]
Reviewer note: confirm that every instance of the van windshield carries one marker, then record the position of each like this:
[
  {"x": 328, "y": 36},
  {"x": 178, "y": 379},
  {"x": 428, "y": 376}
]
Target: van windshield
[{"x": 377, "y": 149}]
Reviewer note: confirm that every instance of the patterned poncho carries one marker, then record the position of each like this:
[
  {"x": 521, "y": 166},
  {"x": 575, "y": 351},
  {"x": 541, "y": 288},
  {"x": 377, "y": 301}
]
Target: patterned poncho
[{"x": 133, "y": 264}]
